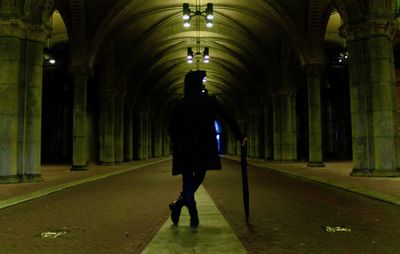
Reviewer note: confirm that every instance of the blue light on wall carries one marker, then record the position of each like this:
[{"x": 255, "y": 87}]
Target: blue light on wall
[{"x": 218, "y": 130}]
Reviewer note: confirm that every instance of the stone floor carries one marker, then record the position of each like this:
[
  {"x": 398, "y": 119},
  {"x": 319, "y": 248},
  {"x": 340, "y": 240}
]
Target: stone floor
[{"x": 336, "y": 174}]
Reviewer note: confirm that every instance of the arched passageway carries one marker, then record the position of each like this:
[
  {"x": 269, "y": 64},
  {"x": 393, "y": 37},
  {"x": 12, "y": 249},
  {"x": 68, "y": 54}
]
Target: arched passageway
[{"x": 307, "y": 80}]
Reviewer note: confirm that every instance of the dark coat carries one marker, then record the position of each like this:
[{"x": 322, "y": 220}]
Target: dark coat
[{"x": 192, "y": 132}]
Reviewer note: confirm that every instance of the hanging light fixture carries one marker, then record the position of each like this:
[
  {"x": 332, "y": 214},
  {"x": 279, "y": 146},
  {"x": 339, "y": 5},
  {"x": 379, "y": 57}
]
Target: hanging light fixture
[
  {"x": 186, "y": 11},
  {"x": 190, "y": 55},
  {"x": 209, "y": 14},
  {"x": 210, "y": 11},
  {"x": 186, "y": 23},
  {"x": 206, "y": 55},
  {"x": 187, "y": 14}
]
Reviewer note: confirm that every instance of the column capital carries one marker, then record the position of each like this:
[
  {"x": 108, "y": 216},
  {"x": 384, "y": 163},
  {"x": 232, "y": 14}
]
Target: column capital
[
  {"x": 13, "y": 28},
  {"x": 284, "y": 92},
  {"x": 142, "y": 113},
  {"x": 121, "y": 92},
  {"x": 80, "y": 71},
  {"x": 23, "y": 30},
  {"x": 314, "y": 70},
  {"x": 371, "y": 27},
  {"x": 107, "y": 92},
  {"x": 38, "y": 33}
]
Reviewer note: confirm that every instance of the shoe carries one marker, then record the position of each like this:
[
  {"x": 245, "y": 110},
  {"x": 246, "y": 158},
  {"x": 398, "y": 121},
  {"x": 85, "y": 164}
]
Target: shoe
[
  {"x": 194, "y": 217},
  {"x": 176, "y": 208}
]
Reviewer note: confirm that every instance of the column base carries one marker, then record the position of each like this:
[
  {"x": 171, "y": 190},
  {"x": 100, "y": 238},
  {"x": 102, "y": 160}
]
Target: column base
[
  {"x": 9, "y": 179},
  {"x": 31, "y": 178},
  {"x": 78, "y": 168},
  {"x": 27, "y": 178},
  {"x": 315, "y": 164},
  {"x": 375, "y": 173},
  {"x": 106, "y": 163},
  {"x": 285, "y": 161}
]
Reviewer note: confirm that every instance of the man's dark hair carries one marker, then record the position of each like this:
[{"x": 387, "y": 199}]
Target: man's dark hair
[{"x": 194, "y": 82}]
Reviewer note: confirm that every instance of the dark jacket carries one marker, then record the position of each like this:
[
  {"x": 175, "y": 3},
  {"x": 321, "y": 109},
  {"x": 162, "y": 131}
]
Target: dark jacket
[{"x": 192, "y": 132}]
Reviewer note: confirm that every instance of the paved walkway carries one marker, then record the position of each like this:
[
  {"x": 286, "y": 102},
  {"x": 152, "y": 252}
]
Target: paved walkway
[
  {"x": 59, "y": 177},
  {"x": 336, "y": 174}
]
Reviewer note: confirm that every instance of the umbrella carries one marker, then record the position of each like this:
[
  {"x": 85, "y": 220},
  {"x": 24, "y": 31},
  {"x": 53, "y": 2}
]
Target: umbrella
[{"x": 245, "y": 183}]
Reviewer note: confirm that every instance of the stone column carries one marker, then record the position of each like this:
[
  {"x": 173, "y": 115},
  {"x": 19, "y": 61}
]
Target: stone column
[
  {"x": 314, "y": 115},
  {"x": 166, "y": 142},
  {"x": 107, "y": 128},
  {"x": 156, "y": 139},
  {"x": 268, "y": 141},
  {"x": 234, "y": 143},
  {"x": 251, "y": 133},
  {"x": 284, "y": 109},
  {"x": 111, "y": 108},
  {"x": 149, "y": 123},
  {"x": 373, "y": 98},
  {"x": 11, "y": 50},
  {"x": 144, "y": 139},
  {"x": 159, "y": 146},
  {"x": 141, "y": 136},
  {"x": 284, "y": 125},
  {"x": 21, "y": 71},
  {"x": 128, "y": 135},
  {"x": 79, "y": 145},
  {"x": 258, "y": 134},
  {"x": 254, "y": 135},
  {"x": 231, "y": 142},
  {"x": 149, "y": 137},
  {"x": 330, "y": 129},
  {"x": 31, "y": 111},
  {"x": 119, "y": 128},
  {"x": 226, "y": 139},
  {"x": 277, "y": 127}
]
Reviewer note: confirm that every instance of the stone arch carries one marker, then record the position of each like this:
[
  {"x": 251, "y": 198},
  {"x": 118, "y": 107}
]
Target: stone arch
[
  {"x": 123, "y": 9},
  {"x": 351, "y": 10}
]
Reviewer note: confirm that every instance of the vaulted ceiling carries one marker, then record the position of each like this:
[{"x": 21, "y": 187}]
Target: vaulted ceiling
[{"x": 150, "y": 43}]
